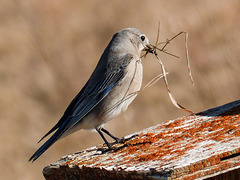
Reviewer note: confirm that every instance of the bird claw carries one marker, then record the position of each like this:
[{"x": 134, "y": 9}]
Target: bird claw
[
  {"x": 123, "y": 139},
  {"x": 114, "y": 149},
  {"x": 117, "y": 141}
]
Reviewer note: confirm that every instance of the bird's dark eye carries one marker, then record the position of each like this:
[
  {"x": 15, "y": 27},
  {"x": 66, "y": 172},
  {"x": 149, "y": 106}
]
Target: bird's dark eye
[{"x": 142, "y": 38}]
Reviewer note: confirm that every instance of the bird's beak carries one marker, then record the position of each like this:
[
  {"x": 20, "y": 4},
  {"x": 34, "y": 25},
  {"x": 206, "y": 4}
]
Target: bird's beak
[{"x": 148, "y": 48}]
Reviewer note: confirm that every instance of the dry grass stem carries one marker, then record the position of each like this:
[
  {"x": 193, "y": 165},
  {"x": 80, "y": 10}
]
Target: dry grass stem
[
  {"x": 187, "y": 58},
  {"x": 153, "y": 50},
  {"x": 154, "y": 80}
]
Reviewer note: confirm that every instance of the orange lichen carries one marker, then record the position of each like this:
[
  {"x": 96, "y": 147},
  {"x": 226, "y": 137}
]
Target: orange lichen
[{"x": 219, "y": 128}]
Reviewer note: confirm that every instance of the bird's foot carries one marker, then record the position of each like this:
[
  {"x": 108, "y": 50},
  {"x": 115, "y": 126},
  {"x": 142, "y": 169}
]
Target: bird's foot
[
  {"x": 110, "y": 146},
  {"x": 122, "y": 140}
]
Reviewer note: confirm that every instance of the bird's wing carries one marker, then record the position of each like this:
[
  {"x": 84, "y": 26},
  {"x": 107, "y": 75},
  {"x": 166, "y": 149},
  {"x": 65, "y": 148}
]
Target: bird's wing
[{"x": 84, "y": 102}]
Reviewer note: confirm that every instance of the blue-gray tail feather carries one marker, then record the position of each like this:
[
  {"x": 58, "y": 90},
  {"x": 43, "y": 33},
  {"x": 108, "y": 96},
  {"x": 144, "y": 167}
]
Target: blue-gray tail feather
[{"x": 49, "y": 142}]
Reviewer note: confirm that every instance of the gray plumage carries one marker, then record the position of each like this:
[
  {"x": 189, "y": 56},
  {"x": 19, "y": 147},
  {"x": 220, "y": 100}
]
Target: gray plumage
[{"x": 111, "y": 88}]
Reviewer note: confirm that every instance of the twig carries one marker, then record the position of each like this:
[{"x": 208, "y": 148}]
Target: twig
[
  {"x": 175, "y": 103},
  {"x": 153, "y": 50}
]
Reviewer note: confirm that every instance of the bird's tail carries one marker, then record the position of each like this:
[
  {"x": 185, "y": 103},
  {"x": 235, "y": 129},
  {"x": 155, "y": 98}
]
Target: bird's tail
[{"x": 49, "y": 142}]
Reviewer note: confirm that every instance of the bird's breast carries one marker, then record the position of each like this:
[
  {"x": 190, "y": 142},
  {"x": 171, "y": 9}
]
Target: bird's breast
[{"x": 125, "y": 92}]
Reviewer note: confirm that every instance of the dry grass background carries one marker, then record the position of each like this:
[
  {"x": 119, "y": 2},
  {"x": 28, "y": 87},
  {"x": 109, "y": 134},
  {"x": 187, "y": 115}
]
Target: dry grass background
[{"x": 48, "y": 49}]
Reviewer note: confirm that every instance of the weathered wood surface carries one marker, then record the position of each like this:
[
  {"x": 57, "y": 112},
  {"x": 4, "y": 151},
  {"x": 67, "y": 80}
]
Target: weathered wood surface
[{"x": 197, "y": 146}]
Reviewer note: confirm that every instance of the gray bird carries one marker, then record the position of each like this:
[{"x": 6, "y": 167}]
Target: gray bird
[{"x": 111, "y": 88}]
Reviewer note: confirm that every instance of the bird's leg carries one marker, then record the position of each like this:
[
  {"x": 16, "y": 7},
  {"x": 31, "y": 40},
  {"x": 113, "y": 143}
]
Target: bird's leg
[
  {"x": 117, "y": 140},
  {"x": 104, "y": 139}
]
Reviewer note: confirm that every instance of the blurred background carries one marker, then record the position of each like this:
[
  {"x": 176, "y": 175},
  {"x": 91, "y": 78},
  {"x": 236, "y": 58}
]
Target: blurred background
[{"x": 48, "y": 50}]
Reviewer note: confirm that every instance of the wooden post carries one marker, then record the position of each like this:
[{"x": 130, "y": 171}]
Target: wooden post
[{"x": 205, "y": 145}]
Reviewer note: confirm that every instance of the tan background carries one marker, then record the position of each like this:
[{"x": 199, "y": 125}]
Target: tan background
[{"x": 48, "y": 49}]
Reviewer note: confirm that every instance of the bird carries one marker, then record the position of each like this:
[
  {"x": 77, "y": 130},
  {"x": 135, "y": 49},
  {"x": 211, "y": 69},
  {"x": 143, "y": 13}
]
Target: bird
[{"x": 113, "y": 85}]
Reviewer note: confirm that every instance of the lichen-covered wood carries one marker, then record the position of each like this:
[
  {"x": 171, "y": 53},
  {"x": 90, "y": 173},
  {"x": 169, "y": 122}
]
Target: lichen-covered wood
[{"x": 203, "y": 145}]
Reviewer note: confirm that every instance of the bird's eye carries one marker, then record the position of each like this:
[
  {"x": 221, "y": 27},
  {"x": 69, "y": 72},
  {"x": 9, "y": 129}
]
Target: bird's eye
[{"x": 142, "y": 38}]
